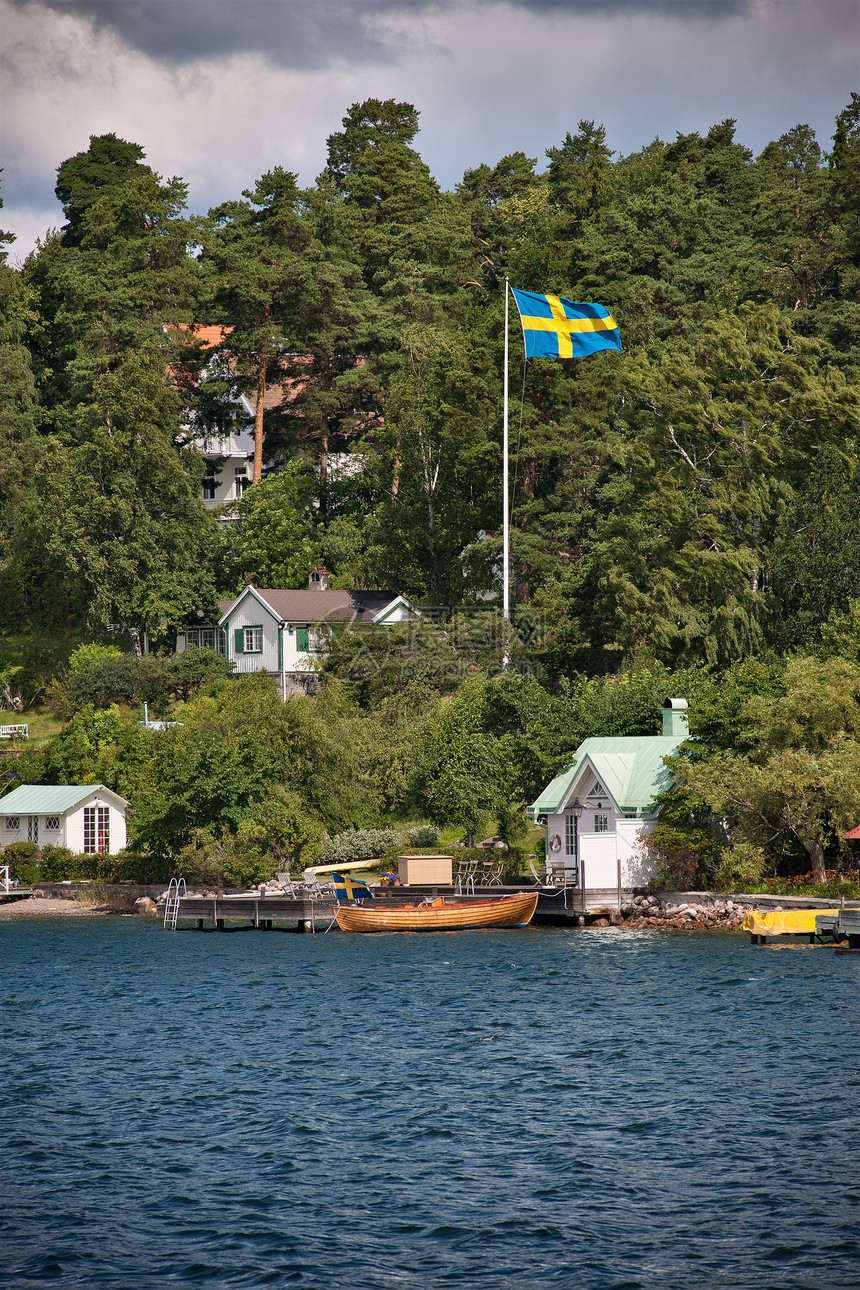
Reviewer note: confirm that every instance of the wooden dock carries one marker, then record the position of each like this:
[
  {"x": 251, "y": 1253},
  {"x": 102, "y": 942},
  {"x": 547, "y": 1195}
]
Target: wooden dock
[{"x": 265, "y": 913}]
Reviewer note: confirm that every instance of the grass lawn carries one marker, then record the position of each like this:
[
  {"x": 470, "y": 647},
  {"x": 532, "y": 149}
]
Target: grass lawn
[{"x": 43, "y": 724}]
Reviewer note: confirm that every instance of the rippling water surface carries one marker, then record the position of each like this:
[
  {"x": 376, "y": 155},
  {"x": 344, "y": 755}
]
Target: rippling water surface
[{"x": 491, "y": 1109}]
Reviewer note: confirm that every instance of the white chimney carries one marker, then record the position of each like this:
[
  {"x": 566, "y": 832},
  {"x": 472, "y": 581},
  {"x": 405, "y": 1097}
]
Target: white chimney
[{"x": 675, "y": 719}]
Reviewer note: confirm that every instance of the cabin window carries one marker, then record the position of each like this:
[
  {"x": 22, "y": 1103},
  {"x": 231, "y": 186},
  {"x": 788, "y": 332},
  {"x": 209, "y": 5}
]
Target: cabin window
[
  {"x": 202, "y": 636},
  {"x": 253, "y": 640},
  {"x": 33, "y": 828},
  {"x": 13, "y": 823},
  {"x": 52, "y": 823},
  {"x": 569, "y": 835},
  {"x": 242, "y": 480},
  {"x": 210, "y": 486},
  {"x": 601, "y": 824},
  {"x": 96, "y": 829}
]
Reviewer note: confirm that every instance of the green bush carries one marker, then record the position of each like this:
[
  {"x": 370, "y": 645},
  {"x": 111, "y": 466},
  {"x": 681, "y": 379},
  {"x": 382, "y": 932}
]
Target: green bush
[
  {"x": 360, "y": 844},
  {"x": 683, "y": 858},
  {"x": 422, "y": 835},
  {"x": 58, "y": 864},
  {"x": 280, "y": 831},
  {"x": 23, "y": 861},
  {"x": 101, "y": 676},
  {"x": 741, "y": 869},
  {"x": 220, "y": 860}
]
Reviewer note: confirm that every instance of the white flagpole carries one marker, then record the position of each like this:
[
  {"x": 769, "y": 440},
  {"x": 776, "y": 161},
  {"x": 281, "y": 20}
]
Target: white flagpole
[{"x": 506, "y": 579}]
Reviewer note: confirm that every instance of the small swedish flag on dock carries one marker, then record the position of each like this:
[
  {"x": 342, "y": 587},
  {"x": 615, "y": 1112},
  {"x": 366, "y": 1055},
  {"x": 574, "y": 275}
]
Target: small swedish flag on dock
[
  {"x": 350, "y": 888},
  {"x": 557, "y": 328}
]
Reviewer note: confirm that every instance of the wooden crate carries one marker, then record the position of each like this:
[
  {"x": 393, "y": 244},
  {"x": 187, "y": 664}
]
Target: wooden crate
[{"x": 422, "y": 871}]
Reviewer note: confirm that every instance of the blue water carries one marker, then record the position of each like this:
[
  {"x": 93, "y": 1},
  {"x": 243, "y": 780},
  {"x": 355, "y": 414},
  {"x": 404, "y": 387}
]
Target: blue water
[{"x": 538, "y": 1108}]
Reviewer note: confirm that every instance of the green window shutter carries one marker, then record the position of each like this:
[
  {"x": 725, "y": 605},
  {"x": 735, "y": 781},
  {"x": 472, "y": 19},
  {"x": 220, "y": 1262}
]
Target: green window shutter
[
  {"x": 280, "y": 647},
  {"x": 239, "y": 640},
  {"x": 302, "y": 639}
]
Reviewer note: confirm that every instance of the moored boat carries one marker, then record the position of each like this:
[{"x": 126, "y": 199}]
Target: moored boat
[{"x": 439, "y": 915}]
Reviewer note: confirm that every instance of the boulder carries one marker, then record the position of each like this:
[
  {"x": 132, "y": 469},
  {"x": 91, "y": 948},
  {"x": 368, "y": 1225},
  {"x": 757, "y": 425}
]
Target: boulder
[{"x": 145, "y": 907}]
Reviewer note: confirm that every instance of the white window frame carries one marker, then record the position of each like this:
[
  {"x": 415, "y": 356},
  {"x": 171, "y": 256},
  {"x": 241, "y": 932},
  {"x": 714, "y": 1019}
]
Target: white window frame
[
  {"x": 210, "y": 485},
  {"x": 33, "y": 828},
  {"x": 52, "y": 823},
  {"x": 13, "y": 823},
  {"x": 601, "y": 824},
  {"x": 97, "y": 830},
  {"x": 253, "y": 640},
  {"x": 570, "y": 832}
]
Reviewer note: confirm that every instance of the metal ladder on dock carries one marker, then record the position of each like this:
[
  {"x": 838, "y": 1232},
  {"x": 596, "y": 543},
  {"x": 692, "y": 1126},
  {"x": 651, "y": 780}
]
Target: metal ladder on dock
[{"x": 175, "y": 891}]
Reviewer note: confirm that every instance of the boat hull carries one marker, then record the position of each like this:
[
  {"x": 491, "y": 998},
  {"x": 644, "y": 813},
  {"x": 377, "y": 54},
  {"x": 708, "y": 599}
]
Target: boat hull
[{"x": 503, "y": 911}]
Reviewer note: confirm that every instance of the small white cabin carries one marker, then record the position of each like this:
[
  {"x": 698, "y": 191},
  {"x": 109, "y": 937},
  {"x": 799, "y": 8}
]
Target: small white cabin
[
  {"x": 87, "y": 818},
  {"x": 597, "y": 811}
]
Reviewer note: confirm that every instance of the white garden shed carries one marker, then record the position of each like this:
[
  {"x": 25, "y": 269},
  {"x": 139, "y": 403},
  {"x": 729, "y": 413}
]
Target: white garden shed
[
  {"x": 597, "y": 811},
  {"x": 86, "y": 818}
]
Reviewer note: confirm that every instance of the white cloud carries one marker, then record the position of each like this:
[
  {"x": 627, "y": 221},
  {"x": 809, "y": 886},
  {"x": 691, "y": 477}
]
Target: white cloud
[{"x": 488, "y": 79}]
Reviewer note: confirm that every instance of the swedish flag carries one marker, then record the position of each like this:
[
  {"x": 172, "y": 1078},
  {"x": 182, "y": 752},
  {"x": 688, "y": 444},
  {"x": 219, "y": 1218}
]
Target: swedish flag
[
  {"x": 557, "y": 328},
  {"x": 350, "y": 888}
]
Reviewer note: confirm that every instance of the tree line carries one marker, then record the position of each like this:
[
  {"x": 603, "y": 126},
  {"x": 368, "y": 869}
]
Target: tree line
[
  {"x": 683, "y": 511},
  {"x": 691, "y": 496}
]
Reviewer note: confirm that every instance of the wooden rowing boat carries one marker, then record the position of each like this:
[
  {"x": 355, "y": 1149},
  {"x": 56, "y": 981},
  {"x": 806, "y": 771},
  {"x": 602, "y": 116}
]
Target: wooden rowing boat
[{"x": 439, "y": 915}]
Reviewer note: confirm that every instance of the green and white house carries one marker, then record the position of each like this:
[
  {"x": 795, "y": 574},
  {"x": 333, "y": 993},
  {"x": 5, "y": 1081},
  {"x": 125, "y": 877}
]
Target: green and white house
[
  {"x": 278, "y": 631},
  {"x": 87, "y": 818},
  {"x": 598, "y": 810}
]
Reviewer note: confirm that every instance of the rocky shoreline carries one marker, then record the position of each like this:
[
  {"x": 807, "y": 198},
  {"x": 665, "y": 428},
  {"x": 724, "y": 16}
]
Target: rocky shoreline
[{"x": 661, "y": 912}]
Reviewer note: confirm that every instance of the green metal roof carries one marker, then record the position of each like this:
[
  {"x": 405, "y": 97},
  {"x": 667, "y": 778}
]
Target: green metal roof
[
  {"x": 630, "y": 768},
  {"x": 50, "y": 799}
]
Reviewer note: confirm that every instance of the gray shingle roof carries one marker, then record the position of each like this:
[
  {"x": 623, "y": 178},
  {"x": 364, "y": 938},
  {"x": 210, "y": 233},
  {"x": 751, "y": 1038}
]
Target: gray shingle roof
[{"x": 307, "y": 606}]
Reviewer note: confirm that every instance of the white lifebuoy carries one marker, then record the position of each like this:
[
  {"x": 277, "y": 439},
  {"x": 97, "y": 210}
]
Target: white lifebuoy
[{"x": 555, "y": 843}]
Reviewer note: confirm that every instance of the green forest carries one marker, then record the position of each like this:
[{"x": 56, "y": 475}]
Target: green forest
[{"x": 684, "y": 517}]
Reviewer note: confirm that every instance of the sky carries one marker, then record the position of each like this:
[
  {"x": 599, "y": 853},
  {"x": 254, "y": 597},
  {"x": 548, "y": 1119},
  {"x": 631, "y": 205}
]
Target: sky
[{"x": 220, "y": 91}]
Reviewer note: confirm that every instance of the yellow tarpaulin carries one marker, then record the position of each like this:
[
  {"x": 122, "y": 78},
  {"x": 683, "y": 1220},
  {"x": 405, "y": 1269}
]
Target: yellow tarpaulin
[{"x": 779, "y": 922}]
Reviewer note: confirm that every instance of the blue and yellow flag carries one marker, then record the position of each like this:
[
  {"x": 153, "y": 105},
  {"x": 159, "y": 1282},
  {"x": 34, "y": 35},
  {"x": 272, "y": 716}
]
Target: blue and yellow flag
[
  {"x": 557, "y": 328},
  {"x": 350, "y": 888}
]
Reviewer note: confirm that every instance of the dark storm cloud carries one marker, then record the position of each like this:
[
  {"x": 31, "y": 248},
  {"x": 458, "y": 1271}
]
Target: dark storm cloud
[
  {"x": 311, "y": 33},
  {"x": 294, "y": 34},
  {"x": 220, "y": 90}
]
